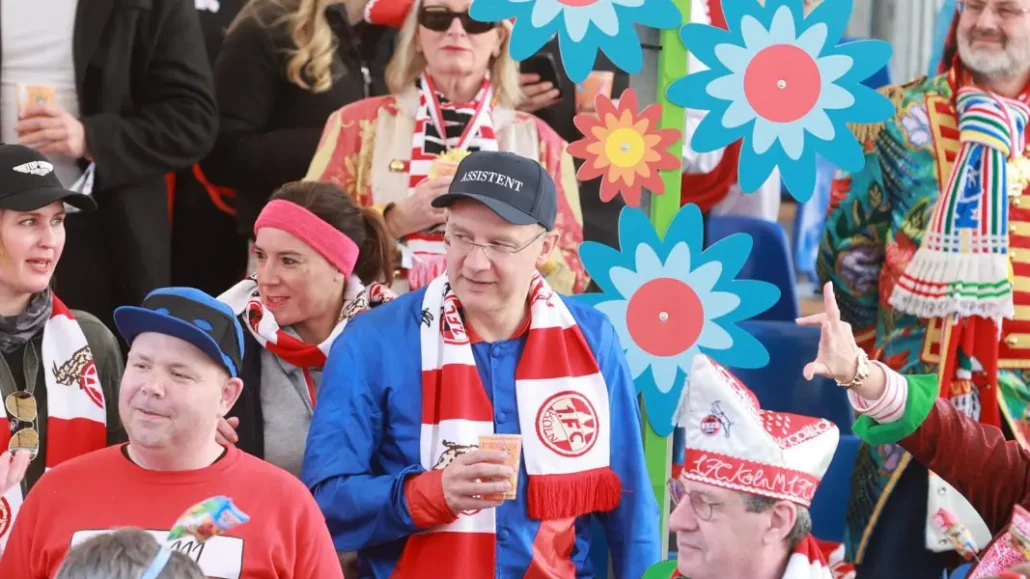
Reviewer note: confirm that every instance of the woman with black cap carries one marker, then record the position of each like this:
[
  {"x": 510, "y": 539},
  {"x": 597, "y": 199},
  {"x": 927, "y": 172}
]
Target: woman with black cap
[{"x": 59, "y": 369}]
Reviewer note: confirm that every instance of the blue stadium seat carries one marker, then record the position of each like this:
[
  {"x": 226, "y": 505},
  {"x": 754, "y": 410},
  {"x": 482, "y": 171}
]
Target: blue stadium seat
[
  {"x": 830, "y": 505},
  {"x": 769, "y": 260},
  {"x": 780, "y": 386}
]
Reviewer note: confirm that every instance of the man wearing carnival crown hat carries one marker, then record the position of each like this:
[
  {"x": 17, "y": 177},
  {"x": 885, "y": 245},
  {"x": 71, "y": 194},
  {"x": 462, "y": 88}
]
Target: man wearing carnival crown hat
[
  {"x": 928, "y": 249},
  {"x": 749, "y": 477}
]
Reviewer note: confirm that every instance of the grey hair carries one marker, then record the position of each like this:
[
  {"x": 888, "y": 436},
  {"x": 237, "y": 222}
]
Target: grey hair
[
  {"x": 123, "y": 554},
  {"x": 802, "y": 524}
]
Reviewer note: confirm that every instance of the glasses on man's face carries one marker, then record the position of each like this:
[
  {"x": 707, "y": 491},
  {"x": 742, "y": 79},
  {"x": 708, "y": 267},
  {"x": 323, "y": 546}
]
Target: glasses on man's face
[
  {"x": 439, "y": 19},
  {"x": 21, "y": 407},
  {"x": 464, "y": 245},
  {"x": 702, "y": 506},
  {"x": 1002, "y": 10}
]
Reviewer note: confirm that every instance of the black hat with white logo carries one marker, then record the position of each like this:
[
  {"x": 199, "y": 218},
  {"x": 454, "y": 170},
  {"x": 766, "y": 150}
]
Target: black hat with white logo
[
  {"x": 514, "y": 187},
  {"x": 29, "y": 182}
]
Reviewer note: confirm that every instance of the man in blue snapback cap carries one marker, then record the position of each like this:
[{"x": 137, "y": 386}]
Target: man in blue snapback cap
[
  {"x": 182, "y": 375},
  {"x": 402, "y": 451}
]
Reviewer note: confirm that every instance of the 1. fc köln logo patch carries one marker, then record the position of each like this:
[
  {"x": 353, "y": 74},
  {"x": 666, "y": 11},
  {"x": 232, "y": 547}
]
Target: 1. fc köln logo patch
[
  {"x": 567, "y": 424},
  {"x": 81, "y": 370}
]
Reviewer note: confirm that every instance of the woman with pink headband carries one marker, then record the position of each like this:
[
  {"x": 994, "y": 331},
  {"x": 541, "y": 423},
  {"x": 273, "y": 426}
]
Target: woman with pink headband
[{"x": 321, "y": 260}]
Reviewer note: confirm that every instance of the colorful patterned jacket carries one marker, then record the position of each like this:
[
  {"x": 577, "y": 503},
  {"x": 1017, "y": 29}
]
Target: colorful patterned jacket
[
  {"x": 874, "y": 225},
  {"x": 366, "y": 147}
]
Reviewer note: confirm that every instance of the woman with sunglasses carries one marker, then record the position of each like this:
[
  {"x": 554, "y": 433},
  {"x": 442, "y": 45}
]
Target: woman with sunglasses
[
  {"x": 59, "y": 368},
  {"x": 455, "y": 89}
]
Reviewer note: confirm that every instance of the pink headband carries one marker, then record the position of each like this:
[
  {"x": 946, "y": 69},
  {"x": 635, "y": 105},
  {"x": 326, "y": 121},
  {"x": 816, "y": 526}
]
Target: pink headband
[{"x": 329, "y": 242}]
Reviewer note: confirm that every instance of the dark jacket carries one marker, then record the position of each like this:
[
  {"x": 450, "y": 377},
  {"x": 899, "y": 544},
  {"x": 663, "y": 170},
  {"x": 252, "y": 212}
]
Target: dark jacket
[
  {"x": 270, "y": 127},
  {"x": 108, "y": 359},
  {"x": 248, "y": 406},
  {"x": 147, "y": 105}
]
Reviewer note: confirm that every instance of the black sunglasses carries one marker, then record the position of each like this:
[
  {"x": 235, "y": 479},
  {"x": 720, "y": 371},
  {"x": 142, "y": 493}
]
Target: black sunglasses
[{"x": 439, "y": 19}]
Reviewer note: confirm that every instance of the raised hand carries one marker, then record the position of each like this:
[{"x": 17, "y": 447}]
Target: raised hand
[{"x": 838, "y": 354}]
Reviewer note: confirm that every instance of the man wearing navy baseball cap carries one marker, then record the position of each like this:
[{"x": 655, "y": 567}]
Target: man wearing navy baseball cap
[
  {"x": 182, "y": 375},
  {"x": 402, "y": 454}
]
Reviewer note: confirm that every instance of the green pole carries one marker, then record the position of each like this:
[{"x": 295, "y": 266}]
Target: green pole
[{"x": 672, "y": 64}]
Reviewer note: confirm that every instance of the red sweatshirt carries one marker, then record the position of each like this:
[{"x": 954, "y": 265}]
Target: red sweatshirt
[{"x": 286, "y": 536}]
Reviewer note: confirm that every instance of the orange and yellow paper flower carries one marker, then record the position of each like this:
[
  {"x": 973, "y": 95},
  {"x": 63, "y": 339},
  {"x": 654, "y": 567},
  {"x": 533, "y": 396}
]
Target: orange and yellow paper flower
[{"x": 625, "y": 148}]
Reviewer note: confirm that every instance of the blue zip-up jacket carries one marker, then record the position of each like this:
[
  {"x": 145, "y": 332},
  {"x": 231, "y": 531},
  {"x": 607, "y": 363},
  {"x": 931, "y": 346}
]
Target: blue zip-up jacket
[{"x": 364, "y": 442}]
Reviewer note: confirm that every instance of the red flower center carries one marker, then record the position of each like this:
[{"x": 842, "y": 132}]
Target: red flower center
[
  {"x": 577, "y": 3},
  {"x": 665, "y": 317},
  {"x": 782, "y": 83}
]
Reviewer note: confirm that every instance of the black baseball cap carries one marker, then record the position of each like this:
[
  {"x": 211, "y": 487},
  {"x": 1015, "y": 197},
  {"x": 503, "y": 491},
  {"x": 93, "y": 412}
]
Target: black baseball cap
[
  {"x": 29, "y": 182},
  {"x": 190, "y": 315},
  {"x": 514, "y": 187}
]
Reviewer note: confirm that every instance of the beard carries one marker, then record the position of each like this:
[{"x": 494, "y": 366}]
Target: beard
[{"x": 1011, "y": 61}]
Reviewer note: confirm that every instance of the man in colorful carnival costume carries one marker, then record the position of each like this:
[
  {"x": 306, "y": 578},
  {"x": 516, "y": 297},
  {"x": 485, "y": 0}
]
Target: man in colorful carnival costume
[
  {"x": 993, "y": 473},
  {"x": 924, "y": 249},
  {"x": 392, "y": 455},
  {"x": 731, "y": 523}
]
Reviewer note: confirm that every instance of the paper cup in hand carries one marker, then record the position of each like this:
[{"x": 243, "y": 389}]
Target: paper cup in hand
[
  {"x": 512, "y": 445},
  {"x": 598, "y": 83},
  {"x": 34, "y": 94}
]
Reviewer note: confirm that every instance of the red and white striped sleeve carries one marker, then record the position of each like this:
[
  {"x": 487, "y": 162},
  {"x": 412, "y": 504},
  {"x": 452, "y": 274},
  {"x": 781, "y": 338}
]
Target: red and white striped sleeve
[{"x": 891, "y": 405}]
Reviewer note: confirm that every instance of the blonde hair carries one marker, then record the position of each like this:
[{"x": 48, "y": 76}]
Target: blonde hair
[
  {"x": 314, "y": 44},
  {"x": 408, "y": 63}
]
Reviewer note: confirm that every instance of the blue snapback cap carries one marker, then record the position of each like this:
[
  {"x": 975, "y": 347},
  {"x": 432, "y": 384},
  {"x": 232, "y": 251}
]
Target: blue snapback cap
[{"x": 190, "y": 315}]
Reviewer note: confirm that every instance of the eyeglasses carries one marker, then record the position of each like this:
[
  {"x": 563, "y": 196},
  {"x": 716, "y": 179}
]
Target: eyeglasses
[
  {"x": 439, "y": 19},
  {"x": 464, "y": 245},
  {"x": 702, "y": 507},
  {"x": 21, "y": 406},
  {"x": 1002, "y": 11}
]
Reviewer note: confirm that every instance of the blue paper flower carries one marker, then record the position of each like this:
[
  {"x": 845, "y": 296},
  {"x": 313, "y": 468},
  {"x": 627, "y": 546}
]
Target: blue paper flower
[
  {"x": 669, "y": 301},
  {"x": 583, "y": 27},
  {"x": 782, "y": 83}
]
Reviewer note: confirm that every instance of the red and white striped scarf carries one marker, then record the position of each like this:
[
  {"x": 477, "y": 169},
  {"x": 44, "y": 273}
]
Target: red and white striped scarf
[
  {"x": 809, "y": 561},
  {"x": 76, "y": 416},
  {"x": 469, "y": 127},
  {"x": 562, "y": 402},
  {"x": 244, "y": 297}
]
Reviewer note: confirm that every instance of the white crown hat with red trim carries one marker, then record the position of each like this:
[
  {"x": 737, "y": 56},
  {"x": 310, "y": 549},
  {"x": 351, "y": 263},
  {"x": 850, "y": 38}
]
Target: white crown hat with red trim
[
  {"x": 734, "y": 444},
  {"x": 388, "y": 12}
]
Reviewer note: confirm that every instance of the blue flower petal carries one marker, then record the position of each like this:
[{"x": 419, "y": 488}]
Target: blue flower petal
[
  {"x": 799, "y": 175},
  {"x": 624, "y": 50},
  {"x": 494, "y": 11},
  {"x": 868, "y": 57},
  {"x": 701, "y": 40},
  {"x": 710, "y": 135},
  {"x": 714, "y": 337},
  {"x": 599, "y": 259},
  {"x": 527, "y": 40},
  {"x": 870, "y": 106},
  {"x": 756, "y": 296},
  {"x": 747, "y": 352},
  {"x": 782, "y": 29},
  {"x": 836, "y": 15},
  {"x": 687, "y": 227},
  {"x": 660, "y": 14},
  {"x": 731, "y": 251},
  {"x": 753, "y": 169}
]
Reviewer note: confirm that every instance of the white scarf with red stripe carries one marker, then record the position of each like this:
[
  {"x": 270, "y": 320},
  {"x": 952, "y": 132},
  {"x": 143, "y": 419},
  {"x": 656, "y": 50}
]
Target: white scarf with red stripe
[
  {"x": 76, "y": 416},
  {"x": 442, "y": 126},
  {"x": 809, "y": 561},
  {"x": 562, "y": 402},
  {"x": 244, "y": 297}
]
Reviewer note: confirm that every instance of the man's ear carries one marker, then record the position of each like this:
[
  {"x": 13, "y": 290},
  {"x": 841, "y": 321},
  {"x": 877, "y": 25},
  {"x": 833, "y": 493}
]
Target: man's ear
[
  {"x": 782, "y": 517},
  {"x": 231, "y": 390},
  {"x": 550, "y": 242}
]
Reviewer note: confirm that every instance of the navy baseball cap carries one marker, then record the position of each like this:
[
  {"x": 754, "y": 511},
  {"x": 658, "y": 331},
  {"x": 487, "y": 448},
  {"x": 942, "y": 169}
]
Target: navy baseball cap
[
  {"x": 190, "y": 315},
  {"x": 30, "y": 182},
  {"x": 515, "y": 187}
]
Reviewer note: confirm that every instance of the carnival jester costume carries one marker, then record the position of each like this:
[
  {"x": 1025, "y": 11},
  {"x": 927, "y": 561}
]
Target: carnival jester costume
[{"x": 928, "y": 248}]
